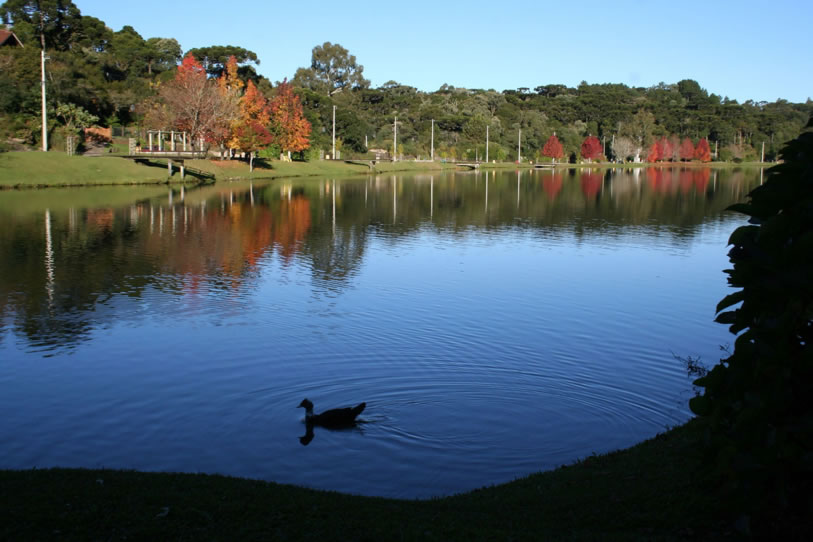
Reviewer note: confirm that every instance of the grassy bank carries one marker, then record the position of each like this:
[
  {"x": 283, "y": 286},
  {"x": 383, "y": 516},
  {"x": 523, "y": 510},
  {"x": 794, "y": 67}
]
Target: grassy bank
[
  {"x": 656, "y": 490},
  {"x": 33, "y": 169},
  {"x": 37, "y": 169}
]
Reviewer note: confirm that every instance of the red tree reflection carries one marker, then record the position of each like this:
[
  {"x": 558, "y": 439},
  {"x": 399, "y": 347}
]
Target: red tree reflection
[
  {"x": 700, "y": 177},
  {"x": 591, "y": 183},
  {"x": 552, "y": 185}
]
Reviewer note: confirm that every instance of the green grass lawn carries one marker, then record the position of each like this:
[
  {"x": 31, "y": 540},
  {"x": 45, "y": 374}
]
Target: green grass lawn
[
  {"x": 38, "y": 169},
  {"x": 657, "y": 490},
  {"x": 33, "y": 169}
]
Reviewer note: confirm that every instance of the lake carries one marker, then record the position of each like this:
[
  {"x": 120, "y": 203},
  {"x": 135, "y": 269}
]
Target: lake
[{"x": 495, "y": 323}]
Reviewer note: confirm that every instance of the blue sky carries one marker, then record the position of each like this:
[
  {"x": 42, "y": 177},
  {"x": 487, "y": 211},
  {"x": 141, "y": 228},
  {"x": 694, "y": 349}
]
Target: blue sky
[{"x": 742, "y": 49}]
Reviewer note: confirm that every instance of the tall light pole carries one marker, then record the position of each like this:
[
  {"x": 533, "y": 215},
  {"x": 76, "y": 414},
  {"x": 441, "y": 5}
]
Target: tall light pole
[
  {"x": 334, "y": 133},
  {"x": 519, "y": 146},
  {"x": 43, "y": 58},
  {"x": 395, "y": 140},
  {"x": 486, "y": 143},
  {"x": 432, "y": 152}
]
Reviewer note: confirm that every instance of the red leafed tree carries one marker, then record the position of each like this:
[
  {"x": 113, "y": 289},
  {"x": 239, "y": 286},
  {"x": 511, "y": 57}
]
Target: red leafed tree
[
  {"x": 665, "y": 149},
  {"x": 702, "y": 152},
  {"x": 190, "y": 102},
  {"x": 290, "y": 127},
  {"x": 250, "y": 137},
  {"x": 591, "y": 148},
  {"x": 250, "y": 132},
  {"x": 687, "y": 150},
  {"x": 553, "y": 148},
  {"x": 654, "y": 153}
]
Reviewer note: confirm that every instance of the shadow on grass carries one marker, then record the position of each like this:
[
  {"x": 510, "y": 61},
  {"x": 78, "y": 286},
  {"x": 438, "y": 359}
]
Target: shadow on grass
[{"x": 202, "y": 177}]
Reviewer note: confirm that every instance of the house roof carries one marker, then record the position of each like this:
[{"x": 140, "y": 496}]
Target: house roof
[{"x": 7, "y": 37}]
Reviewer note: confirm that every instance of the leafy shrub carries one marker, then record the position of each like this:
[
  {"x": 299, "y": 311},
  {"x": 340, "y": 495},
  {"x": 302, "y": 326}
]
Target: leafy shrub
[
  {"x": 757, "y": 402},
  {"x": 311, "y": 154}
]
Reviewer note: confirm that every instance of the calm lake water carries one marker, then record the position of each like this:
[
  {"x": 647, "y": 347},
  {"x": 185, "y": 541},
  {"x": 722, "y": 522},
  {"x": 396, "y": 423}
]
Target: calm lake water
[{"x": 496, "y": 324}]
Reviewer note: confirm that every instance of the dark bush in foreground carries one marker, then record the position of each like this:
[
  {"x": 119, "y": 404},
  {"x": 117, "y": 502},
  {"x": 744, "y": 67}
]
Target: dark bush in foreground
[{"x": 758, "y": 403}]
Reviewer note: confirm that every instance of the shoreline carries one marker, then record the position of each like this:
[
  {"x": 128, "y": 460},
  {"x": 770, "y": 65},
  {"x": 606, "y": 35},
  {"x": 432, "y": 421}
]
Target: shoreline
[
  {"x": 657, "y": 489},
  {"x": 55, "y": 169}
]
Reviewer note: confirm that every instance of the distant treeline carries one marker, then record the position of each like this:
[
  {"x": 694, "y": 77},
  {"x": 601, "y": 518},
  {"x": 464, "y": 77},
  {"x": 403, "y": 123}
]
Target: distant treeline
[{"x": 109, "y": 75}]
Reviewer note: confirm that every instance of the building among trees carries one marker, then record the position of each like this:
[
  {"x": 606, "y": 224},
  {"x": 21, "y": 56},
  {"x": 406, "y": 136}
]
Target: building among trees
[{"x": 9, "y": 39}]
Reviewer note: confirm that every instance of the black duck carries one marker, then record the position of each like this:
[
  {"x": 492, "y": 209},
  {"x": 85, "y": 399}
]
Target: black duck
[{"x": 337, "y": 417}]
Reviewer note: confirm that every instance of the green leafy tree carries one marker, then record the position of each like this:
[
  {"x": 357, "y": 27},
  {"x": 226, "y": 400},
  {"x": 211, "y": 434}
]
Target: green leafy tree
[
  {"x": 639, "y": 128},
  {"x": 215, "y": 57},
  {"x": 74, "y": 117},
  {"x": 92, "y": 35},
  {"x": 332, "y": 70},
  {"x": 161, "y": 54},
  {"x": 52, "y": 22},
  {"x": 127, "y": 54},
  {"x": 756, "y": 403}
]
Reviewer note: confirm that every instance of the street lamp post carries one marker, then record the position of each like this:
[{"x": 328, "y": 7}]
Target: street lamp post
[
  {"x": 334, "y": 133},
  {"x": 486, "y": 143},
  {"x": 519, "y": 146},
  {"x": 433, "y": 140},
  {"x": 44, "y": 111}
]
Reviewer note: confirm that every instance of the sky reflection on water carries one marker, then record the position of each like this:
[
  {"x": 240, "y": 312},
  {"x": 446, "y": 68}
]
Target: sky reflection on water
[{"x": 495, "y": 324}]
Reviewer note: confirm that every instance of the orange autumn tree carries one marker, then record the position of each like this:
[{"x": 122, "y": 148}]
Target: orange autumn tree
[
  {"x": 553, "y": 148},
  {"x": 654, "y": 153},
  {"x": 687, "y": 149},
  {"x": 702, "y": 152},
  {"x": 250, "y": 133},
  {"x": 229, "y": 86},
  {"x": 290, "y": 127},
  {"x": 665, "y": 149}
]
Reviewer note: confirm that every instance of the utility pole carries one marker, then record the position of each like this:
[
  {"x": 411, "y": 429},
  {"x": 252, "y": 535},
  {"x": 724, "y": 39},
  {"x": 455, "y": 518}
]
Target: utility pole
[
  {"x": 432, "y": 152},
  {"x": 486, "y": 144},
  {"x": 763, "y": 152},
  {"x": 519, "y": 146},
  {"x": 44, "y": 111},
  {"x": 334, "y": 133},
  {"x": 395, "y": 140}
]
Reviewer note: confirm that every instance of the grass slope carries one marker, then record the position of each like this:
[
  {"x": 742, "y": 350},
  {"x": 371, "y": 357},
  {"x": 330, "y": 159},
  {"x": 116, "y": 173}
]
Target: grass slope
[
  {"x": 656, "y": 490},
  {"x": 37, "y": 169},
  {"x": 34, "y": 169}
]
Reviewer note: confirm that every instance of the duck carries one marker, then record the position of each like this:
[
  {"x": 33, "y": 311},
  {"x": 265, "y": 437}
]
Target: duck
[{"x": 337, "y": 417}]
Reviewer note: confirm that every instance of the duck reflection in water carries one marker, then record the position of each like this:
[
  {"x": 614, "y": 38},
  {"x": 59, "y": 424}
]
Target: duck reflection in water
[{"x": 337, "y": 418}]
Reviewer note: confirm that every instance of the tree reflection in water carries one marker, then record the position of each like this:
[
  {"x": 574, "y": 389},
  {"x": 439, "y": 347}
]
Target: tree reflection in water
[{"x": 68, "y": 271}]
